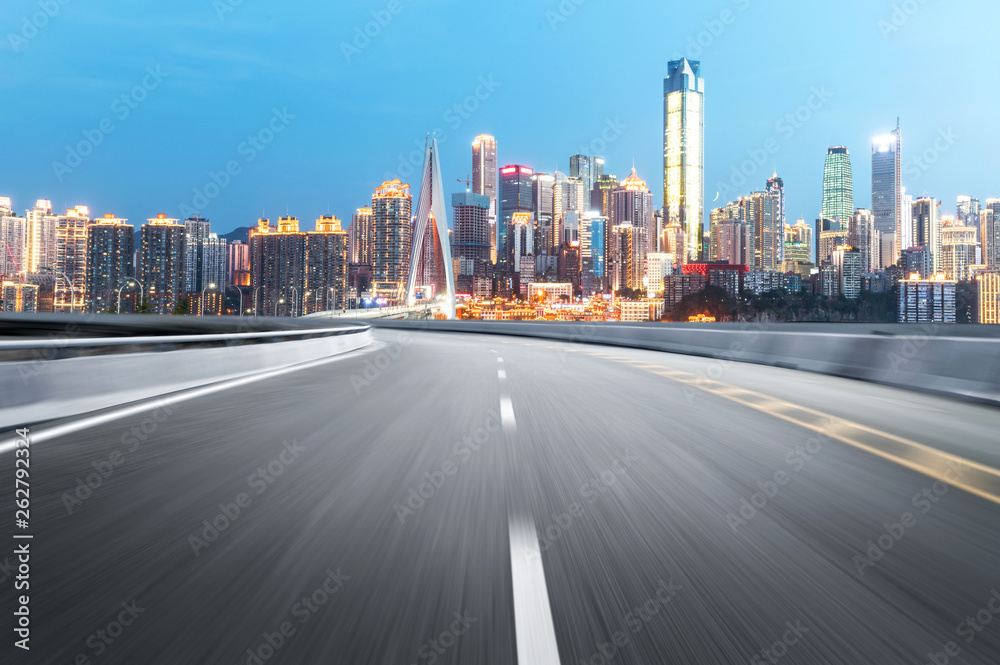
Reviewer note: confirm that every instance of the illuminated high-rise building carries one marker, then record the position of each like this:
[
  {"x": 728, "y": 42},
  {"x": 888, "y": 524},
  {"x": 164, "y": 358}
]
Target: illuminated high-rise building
[
  {"x": 361, "y": 236},
  {"x": 13, "y": 237},
  {"x": 470, "y": 247},
  {"x": 769, "y": 238},
  {"x": 736, "y": 242},
  {"x": 238, "y": 263},
  {"x": 196, "y": 230},
  {"x": 684, "y": 152},
  {"x": 593, "y": 260},
  {"x": 18, "y": 297},
  {"x": 633, "y": 204},
  {"x": 71, "y": 260},
  {"x": 927, "y": 300},
  {"x": 392, "y": 210},
  {"x": 887, "y": 184},
  {"x": 600, "y": 194},
  {"x": 989, "y": 225},
  {"x": 543, "y": 212},
  {"x": 968, "y": 214},
  {"x": 628, "y": 257},
  {"x": 776, "y": 188},
  {"x": 838, "y": 185},
  {"x": 798, "y": 245},
  {"x": 863, "y": 235},
  {"x": 110, "y": 244},
  {"x": 40, "y": 237},
  {"x": 484, "y": 180},
  {"x": 958, "y": 251},
  {"x": 515, "y": 196},
  {"x": 989, "y": 298},
  {"x": 927, "y": 230},
  {"x": 161, "y": 268},
  {"x": 848, "y": 262}
]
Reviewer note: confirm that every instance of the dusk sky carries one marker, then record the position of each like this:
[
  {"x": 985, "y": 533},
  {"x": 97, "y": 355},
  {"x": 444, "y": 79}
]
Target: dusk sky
[{"x": 201, "y": 77}]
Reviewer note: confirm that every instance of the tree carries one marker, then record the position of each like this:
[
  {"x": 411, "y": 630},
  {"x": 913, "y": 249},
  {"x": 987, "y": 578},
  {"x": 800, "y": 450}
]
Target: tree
[
  {"x": 183, "y": 307},
  {"x": 712, "y": 301}
]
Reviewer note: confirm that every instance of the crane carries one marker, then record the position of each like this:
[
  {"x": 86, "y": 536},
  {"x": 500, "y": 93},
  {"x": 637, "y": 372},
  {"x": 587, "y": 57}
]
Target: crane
[{"x": 468, "y": 183}]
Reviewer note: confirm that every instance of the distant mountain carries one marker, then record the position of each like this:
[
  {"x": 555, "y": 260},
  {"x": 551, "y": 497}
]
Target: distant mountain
[{"x": 242, "y": 234}]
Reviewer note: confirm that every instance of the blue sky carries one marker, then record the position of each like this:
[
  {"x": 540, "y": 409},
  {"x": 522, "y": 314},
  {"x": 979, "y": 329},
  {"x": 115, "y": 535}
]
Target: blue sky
[{"x": 164, "y": 95}]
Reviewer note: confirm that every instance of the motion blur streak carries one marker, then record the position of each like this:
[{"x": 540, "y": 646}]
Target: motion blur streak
[{"x": 630, "y": 478}]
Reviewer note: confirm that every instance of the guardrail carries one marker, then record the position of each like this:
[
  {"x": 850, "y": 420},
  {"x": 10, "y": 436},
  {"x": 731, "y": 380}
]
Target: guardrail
[
  {"x": 61, "y": 366},
  {"x": 953, "y": 360}
]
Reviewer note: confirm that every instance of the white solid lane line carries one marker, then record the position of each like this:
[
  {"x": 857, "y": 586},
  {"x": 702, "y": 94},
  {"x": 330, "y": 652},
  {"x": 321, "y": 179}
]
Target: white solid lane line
[
  {"x": 536, "y": 634},
  {"x": 507, "y": 414}
]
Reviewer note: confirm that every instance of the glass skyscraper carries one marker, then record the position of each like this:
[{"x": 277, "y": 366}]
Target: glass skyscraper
[
  {"x": 515, "y": 196},
  {"x": 684, "y": 152},
  {"x": 838, "y": 185},
  {"x": 887, "y": 185}
]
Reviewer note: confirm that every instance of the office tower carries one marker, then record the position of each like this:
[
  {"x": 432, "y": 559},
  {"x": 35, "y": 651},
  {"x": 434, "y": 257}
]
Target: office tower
[
  {"x": 769, "y": 238},
  {"x": 40, "y": 237},
  {"x": 13, "y": 230},
  {"x": 633, "y": 204},
  {"x": 927, "y": 229},
  {"x": 593, "y": 245},
  {"x": 71, "y": 259},
  {"x": 887, "y": 185},
  {"x": 161, "y": 268},
  {"x": 838, "y": 185},
  {"x": 431, "y": 241},
  {"x": 110, "y": 244},
  {"x": 658, "y": 266},
  {"x": 776, "y": 188},
  {"x": 568, "y": 195},
  {"x": 916, "y": 261},
  {"x": 736, "y": 242},
  {"x": 522, "y": 239},
  {"x": 17, "y": 297},
  {"x": 905, "y": 238},
  {"x": 392, "y": 208},
  {"x": 588, "y": 169},
  {"x": 470, "y": 246},
  {"x": 863, "y": 236},
  {"x": 798, "y": 246},
  {"x": 238, "y": 263},
  {"x": 989, "y": 226},
  {"x": 672, "y": 242},
  {"x": 958, "y": 251},
  {"x": 543, "y": 211},
  {"x": 830, "y": 234},
  {"x": 927, "y": 300},
  {"x": 196, "y": 230},
  {"x": 515, "y": 196},
  {"x": 716, "y": 217},
  {"x": 484, "y": 180},
  {"x": 848, "y": 262},
  {"x": 989, "y": 298},
  {"x": 628, "y": 262},
  {"x": 684, "y": 152}
]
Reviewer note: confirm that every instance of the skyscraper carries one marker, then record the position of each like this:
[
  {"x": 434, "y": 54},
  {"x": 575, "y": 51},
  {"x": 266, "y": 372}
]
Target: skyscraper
[
  {"x": 887, "y": 184},
  {"x": 196, "y": 230},
  {"x": 362, "y": 235},
  {"x": 40, "y": 237},
  {"x": 776, "y": 188},
  {"x": 735, "y": 242},
  {"x": 628, "y": 257},
  {"x": 927, "y": 230},
  {"x": 392, "y": 208},
  {"x": 12, "y": 241},
  {"x": 515, "y": 196},
  {"x": 71, "y": 259},
  {"x": 238, "y": 263},
  {"x": 989, "y": 226},
  {"x": 769, "y": 238},
  {"x": 968, "y": 214},
  {"x": 633, "y": 204},
  {"x": 543, "y": 211},
  {"x": 958, "y": 251},
  {"x": 864, "y": 237},
  {"x": 593, "y": 243},
  {"x": 838, "y": 185},
  {"x": 470, "y": 245},
  {"x": 586, "y": 168},
  {"x": 484, "y": 179},
  {"x": 161, "y": 268},
  {"x": 684, "y": 152},
  {"x": 110, "y": 244}
]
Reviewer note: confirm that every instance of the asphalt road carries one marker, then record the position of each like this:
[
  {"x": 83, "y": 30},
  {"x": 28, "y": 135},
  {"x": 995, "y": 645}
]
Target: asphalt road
[{"x": 471, "y": 499}]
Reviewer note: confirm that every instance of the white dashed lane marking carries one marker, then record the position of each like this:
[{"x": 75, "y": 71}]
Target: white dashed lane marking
[{"x": 536, "y": 634}]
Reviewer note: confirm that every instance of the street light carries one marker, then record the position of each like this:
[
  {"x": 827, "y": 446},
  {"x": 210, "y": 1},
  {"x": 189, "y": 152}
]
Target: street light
[
  {"x": 281, "y": 301},
  {"x": 295, "y": 300},
  {"x": 127, "y": 283},
  {"x": 72, "y": 302},
  {"x": 234, "y": 286},
  {"x": 256, "y": 304},
  {"x": 203, "y": 298}
]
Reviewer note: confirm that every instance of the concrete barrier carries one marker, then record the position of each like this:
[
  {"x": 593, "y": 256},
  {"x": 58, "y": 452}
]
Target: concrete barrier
[
  {"x": 60, "y": 376},
  {"x": 954, "y": 360}
]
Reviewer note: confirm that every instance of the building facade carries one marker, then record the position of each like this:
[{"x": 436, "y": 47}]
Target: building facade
[
  {"x": 110, "y": 247},
  {"x": 161, "y": 266},
  {"x": 684, "y": 152}
]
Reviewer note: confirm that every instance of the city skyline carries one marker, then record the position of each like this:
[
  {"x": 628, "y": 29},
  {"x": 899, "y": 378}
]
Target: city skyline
[{"x": 313, "y": 184}]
